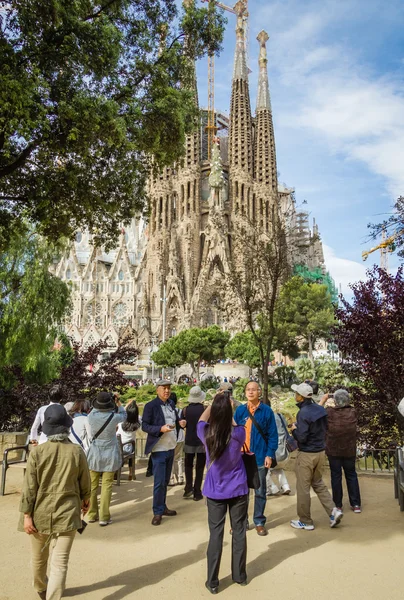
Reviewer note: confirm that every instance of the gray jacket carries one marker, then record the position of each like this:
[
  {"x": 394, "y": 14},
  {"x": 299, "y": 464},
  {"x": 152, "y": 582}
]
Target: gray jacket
[{"x": 104, "y": 454}]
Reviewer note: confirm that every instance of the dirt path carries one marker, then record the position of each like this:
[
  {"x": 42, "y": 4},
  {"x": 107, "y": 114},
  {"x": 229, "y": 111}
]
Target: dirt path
[{"x": 361, "y": 559}]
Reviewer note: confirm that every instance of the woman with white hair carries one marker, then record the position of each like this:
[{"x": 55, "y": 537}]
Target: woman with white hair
[{"x": 341, "y": 440}]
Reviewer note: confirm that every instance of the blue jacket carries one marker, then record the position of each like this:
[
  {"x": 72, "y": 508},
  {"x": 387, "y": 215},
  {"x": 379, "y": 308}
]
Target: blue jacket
[
  {"x": 153, "y": 420},
  {"x": 311, "y": 425},
  {"x": 266, "y": 420}
]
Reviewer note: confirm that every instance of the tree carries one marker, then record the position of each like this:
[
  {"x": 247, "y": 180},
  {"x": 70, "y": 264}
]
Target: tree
[
  {"x": 259, "y": 269},
  {"x": 307, "y": 311},
  {"x": 33, "y": 305},
  {"x": 243, "y": 348},
  {"x": 193, "y": 346},
  {"x": 370, "y": 335},
  {"x": 93, "y": 95},
  {"x": 83, "y": 374}
]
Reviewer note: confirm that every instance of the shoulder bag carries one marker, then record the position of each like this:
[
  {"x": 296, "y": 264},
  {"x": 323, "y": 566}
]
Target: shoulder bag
[
  {"x": 291, "y": 443},
  {"x": 99, "y": 432},
  {"x": 251, "y": 468}
]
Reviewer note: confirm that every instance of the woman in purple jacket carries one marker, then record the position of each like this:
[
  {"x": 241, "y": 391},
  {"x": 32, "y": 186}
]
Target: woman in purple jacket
[{"x": 225, "y": 487}]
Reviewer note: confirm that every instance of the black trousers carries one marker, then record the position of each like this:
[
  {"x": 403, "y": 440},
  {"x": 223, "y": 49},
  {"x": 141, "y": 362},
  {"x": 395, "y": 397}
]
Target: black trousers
[
  {"x": 217, "y": 510},
  {"x": 337, "y": 463},
  {"x": 190, "y": 483}
]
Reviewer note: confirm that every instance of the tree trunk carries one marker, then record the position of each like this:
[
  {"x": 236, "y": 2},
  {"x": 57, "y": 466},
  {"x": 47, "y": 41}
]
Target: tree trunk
[
  {"x": 265, "y": 382},
  {"x": 311, "y": 357}
]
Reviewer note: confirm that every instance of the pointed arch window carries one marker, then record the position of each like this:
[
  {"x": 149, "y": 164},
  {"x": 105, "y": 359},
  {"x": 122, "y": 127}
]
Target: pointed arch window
[
  {"x": 121, "y": 275},
  {"x": 68, "y": 274}
]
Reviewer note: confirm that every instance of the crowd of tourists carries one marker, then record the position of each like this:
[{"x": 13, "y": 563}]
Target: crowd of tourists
[{"x": 237, "y": 446}]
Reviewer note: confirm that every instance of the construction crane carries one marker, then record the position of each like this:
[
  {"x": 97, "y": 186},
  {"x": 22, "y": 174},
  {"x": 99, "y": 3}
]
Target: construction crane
[
  {"x": 211, "y": 128},
  {"x": 385, "y": 246}
]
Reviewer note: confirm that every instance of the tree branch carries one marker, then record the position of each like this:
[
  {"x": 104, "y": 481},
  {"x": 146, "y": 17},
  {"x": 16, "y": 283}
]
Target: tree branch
[
  {"x": 99, "y": 11},
  {"x": 9, "y": 169}
]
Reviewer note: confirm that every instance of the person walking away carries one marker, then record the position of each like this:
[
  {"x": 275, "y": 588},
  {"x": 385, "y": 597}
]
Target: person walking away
[
  {"x": 340, "y": 440},
  {"x": 127, "y": 430},
  {"x": 309, "y": 432},
  {"x": 80, "y": 431},
  {"x": 282, "y": 457},
  {"x": 177, "y": 473},
  {"x": 262, "y": 439},
  {"x": 56, "y": 490},
  {"x": 225, "y": 488},
  {"x": 161, "y": 423},
  {"x": 193, "y": 445},
  {"x": 104, "y": 456},
  {"x": 55, "y": 397},
  {"x": 228, "y": 387}
]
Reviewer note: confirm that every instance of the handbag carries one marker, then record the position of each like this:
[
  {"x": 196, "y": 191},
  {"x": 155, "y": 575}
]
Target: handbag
[
  {"x": 264, "y": 437},
  {"x": 291, "y": 443},
  {"x": 251, "y": 468}
]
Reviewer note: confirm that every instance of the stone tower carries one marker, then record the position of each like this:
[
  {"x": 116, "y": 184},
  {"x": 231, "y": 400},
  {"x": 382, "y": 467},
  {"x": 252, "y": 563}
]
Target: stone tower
[{"x": 180, "y": 260}]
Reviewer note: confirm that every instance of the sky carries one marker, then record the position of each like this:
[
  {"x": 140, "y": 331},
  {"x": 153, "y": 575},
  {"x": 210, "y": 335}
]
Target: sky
[{"x": 336, "y": 73}]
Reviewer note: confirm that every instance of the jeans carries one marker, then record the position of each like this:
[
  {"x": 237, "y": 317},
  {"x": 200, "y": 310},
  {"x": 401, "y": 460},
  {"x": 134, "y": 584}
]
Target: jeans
[
  {"x": 196, "y": 484},
  {"x": 217, "y": 510},
  {"x": 56, "y": 584},
  {"x": 337, "y": 463},
  {"x": 260, "y": 499},
  {"x": 162, "y": 467},
  {"x": 105, "y": 499}
]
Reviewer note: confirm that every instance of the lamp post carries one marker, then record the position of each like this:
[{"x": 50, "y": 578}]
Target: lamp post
[{"x": 164, "y": 301}]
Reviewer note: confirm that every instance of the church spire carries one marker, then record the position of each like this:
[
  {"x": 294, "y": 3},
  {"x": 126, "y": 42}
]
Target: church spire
[
  {"x": 240, "y": 134},
  {"x": 264, "y": 154}
]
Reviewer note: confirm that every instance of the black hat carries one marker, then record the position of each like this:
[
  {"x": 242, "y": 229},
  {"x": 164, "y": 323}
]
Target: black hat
[
  {"x": 56, "y": 420},
  {"x": 104, "y": 401}
]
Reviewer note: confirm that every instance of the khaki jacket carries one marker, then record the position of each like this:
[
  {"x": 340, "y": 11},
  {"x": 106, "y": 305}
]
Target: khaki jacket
[{"x": 56, "y": 481}]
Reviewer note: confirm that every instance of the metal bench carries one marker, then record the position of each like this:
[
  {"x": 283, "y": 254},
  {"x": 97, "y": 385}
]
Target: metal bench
[
  {"x": 13, "y": 464},
  {"x": 129, "y": 458},
  {"x": 399, "y": 478}
]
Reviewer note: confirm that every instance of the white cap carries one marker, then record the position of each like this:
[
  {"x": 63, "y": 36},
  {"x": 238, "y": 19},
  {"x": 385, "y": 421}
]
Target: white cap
[{"x": 303, "y": 389}]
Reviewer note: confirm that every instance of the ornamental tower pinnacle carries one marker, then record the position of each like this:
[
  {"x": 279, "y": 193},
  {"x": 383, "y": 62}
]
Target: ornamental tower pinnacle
[
  {"x": 240, "y": 130},
  {"x": 264, "y": 154}
]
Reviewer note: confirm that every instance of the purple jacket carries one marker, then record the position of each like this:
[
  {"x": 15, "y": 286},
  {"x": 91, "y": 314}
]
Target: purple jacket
[{"x": 226, "y": 477}]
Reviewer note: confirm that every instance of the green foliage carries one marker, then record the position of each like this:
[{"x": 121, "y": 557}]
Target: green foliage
[
  {"x": 209, "y": 383},
  {"x": 147, "y": 392},
  {"x": 192, "y": 346},
  {"x": 243, "y": 347},
  {"x": 306, "y": 311},
  {"x": 304, "y": 369},
  {"x": 328, "y": 373},
  {"x": 284, "y": 376},
  {"x": 89, "y": 93},
  {"x": 33, "y": 305},
  {"x": 238, "y": 389}
]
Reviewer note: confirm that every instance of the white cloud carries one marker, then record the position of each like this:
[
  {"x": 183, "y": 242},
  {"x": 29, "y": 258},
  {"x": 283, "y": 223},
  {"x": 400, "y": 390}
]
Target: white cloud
[
  {"x": 343, "y": 271},
  {"x": 333, "y": 93}
]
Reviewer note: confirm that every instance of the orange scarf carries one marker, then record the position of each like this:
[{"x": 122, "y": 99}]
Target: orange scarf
[{"x": 248, "y": 426}]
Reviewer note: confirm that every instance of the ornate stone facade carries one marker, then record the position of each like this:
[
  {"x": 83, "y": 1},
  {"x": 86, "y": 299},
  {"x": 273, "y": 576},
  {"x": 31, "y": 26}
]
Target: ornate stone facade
[{"x": 184, "y": 254}]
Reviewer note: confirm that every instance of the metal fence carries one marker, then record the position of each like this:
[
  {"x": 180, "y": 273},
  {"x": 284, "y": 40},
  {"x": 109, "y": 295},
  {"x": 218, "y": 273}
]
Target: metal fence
[{"x": 376, "y": 460}]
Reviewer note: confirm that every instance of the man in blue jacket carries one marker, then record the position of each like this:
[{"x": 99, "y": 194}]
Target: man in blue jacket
[
  {"x": 309, "y": 432},
  {"x": 262, "y": 439},
  {"x": 160, "y": 422}
]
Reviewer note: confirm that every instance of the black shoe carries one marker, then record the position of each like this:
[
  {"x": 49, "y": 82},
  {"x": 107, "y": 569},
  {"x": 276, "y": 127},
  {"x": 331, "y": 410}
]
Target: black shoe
[
  {"x": 245, "y": 582},
  {"x": 198, "y": 497},
  {"x": 188, "y": 494},
  {"x": 149, "y": 474},
  {"x": 213, "y": 590}
]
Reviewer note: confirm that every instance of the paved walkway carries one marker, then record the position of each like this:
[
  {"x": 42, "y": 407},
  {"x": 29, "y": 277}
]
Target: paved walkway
[{"x": 362, "y": 559}]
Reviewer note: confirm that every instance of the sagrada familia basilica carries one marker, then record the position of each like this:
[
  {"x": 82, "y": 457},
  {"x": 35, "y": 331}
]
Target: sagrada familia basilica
[{"x": 167, "y": 274}]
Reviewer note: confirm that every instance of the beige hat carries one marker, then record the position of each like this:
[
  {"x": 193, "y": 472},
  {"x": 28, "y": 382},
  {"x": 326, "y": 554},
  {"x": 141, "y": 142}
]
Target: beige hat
[
  {"x": 196, "y": 395},
  {"x": 303, "y": 389}
]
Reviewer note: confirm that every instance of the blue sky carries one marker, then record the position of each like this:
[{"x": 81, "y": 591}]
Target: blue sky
[{"x": 336, "y": 71}]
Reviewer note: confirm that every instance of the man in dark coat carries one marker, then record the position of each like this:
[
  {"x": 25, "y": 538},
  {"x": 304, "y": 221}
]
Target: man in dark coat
[
  {"x": 309, "y": 432},
  {"x": 160, "y": 422}
]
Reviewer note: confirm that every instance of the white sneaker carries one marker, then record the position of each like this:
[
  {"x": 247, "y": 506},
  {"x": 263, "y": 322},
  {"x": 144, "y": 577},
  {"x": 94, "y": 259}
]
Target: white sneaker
[
  {"x": 105, "y": 523},
  {"x": 299, "y": 525},
  {"x": 336, "y": 516},
  {"x": 285, "y": 491}
]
